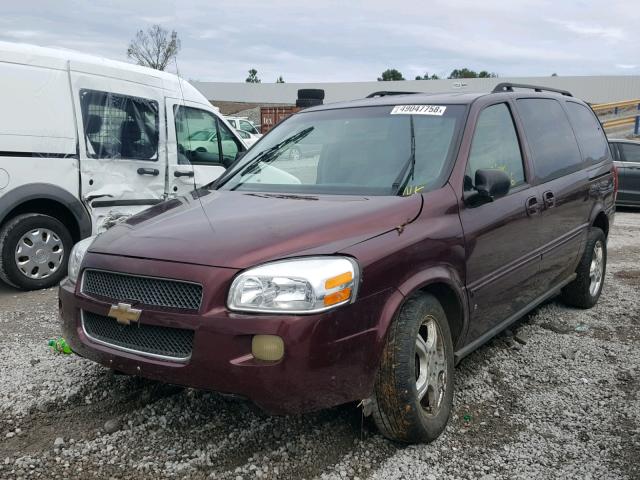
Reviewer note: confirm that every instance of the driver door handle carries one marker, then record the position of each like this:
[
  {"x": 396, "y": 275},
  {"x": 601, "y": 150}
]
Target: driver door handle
[
  {"x": 149, "y": 171},
  {"x": 178, "y": 173},
  {"x": 549, "y": 199}
]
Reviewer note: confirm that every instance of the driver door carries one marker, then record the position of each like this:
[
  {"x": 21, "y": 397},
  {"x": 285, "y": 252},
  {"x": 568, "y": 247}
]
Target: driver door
[{"x": 200, "y": 146}]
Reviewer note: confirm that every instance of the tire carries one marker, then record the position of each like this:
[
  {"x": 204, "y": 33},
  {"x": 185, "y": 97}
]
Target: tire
[
  {"x": 315, "y": 93},
  {"x": 307, "y": 102},
  {"x": 55, "y": 244},
  {"x": 398, "y": 411},
  {"x": 585, "y": 290}
]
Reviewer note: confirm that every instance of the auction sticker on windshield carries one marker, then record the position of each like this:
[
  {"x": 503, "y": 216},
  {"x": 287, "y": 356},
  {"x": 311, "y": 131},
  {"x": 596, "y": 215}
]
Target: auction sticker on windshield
[{"x": 418, "y": 110}]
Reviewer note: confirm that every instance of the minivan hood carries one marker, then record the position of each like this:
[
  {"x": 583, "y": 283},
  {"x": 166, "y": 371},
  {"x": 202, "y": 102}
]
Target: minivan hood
[{"x": 239, "y": 229}]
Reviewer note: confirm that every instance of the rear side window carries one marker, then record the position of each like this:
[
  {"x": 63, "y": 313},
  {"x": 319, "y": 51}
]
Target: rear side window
[
  {"x": 588, "y": 132},
  {"x": 553, "y": 146},
  {"x": 495, "y": 146},
  {"x": 629, "y": 152},
  {"x": 119, "y": 126}
]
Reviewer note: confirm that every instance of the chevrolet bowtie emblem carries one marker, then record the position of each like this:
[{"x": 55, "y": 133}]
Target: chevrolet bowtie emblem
[{"x": 124, "y": 314}]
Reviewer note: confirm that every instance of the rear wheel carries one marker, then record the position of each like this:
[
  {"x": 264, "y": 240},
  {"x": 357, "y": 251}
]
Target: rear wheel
[
  {"x": 585, "y": 290},
  {"x": 414, "y": 386},
  {"x": 34, "y": 250}
]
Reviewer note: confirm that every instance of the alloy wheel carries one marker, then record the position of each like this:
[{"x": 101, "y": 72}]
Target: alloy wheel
[
  {"x": 596, "y": 270},
  {"x": 430, "y": 366}
]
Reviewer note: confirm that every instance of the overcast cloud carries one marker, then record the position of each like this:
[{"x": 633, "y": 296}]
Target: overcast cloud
[{"x": 348, "y": 41}]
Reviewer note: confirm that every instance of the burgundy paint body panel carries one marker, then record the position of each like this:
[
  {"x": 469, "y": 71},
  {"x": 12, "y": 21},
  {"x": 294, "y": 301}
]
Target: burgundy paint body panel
[{"x": 271, "y": 226}]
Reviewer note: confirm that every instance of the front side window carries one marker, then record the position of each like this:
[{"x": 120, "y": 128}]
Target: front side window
[
  {"x": 119, "y": 126},
  {"x": 629, "y": 152},
  {"x": 197, "y": 136},
  {"x": 495, "y": 146},
  {"x": 591, "y": 138},
  {"x": 229, "y": 144},
  {"x": 553, "y": 145},
  {"x": 353, "y": 151},
  {"x": 203, "y": 139}
]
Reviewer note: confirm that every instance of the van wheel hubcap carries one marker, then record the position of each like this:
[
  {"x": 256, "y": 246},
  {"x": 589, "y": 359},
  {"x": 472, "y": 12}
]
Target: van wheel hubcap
[
  {"x": 431, "y": 366},
  {"x": 39, "y": 253},
  {"x": 596, "y": 270}
]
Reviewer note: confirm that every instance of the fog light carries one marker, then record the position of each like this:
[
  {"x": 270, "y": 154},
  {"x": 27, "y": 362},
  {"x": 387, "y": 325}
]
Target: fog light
[{"x": 267, "y": 347}]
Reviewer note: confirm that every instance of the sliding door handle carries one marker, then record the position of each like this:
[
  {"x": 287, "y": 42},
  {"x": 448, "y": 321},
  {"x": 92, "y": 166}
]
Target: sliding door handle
[{"x": 532, "y": 206}]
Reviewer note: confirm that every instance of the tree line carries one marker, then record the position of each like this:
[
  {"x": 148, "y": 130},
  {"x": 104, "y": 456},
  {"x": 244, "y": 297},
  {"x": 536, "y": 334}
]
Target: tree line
[{"x": 394, "y": 74}]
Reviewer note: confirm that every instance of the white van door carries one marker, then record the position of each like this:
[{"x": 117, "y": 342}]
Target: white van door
[
  {"x": 200, "y": 145},
  {"x": 121, "y": 145}
]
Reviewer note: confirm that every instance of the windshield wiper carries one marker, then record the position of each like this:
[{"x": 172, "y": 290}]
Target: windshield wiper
[{"x": 409, "y": 168}]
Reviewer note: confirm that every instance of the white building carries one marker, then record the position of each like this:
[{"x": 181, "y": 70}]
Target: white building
[{"x": 593, "y": 89}]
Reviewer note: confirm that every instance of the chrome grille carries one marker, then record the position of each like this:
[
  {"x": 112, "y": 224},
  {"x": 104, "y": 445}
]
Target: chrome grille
[
  {"x": 150, "y": 291},
  {"x": 165, "y": 342}
]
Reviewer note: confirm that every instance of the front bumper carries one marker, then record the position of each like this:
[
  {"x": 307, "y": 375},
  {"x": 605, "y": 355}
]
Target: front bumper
[{"x": 330, "y": 358}]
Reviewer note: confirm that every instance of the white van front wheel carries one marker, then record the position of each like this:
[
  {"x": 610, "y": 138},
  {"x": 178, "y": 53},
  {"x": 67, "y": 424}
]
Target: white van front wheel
[{"x": 34, "y": 250}]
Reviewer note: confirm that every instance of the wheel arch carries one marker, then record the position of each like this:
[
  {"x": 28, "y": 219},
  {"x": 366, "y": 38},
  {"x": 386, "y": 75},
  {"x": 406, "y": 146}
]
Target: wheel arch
[
  {"x": 445, "y": 285},
  {"x": 601, "y": 220},
  {"x": 49, "y": 200}
]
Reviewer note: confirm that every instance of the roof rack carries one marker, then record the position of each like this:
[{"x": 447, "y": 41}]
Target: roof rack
[
  {"x": 385, "y": 93},
  {"x": 508, "y": 87}
]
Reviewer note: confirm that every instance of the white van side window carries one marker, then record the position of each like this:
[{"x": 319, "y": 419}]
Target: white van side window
[{"x": 119, "y": 126}]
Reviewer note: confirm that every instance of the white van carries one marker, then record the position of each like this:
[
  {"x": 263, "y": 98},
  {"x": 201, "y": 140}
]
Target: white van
[{"x": 85, "y": 141}]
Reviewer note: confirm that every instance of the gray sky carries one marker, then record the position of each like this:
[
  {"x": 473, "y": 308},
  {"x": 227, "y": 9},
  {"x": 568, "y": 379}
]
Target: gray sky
[{"x": 348, "y": 41}]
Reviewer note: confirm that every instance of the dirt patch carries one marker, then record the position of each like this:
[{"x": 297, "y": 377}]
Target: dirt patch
[
  {"x": 630, "y": 277},
  {"x": 78, "y": 420}
]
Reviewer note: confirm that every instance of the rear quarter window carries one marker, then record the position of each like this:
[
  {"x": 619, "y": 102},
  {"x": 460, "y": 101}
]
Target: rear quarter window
[
  {"x": 591, "y": 139},
  {"x": 630, "y": 152},
  {"x": 550, "y": 137}
]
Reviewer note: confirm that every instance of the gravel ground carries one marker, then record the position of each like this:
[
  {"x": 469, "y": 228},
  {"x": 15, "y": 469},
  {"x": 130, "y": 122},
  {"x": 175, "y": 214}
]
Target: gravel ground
[{"x": 558, "y": 399}]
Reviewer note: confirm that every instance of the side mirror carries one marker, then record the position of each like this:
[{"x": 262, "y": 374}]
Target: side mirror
[{"x": 489, "y": 185}]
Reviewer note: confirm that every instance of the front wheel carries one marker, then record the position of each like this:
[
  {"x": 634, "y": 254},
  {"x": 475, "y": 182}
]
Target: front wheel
[
  {"x": 585, "y": 290},
  {"x": 413, "y": 393},
  {"x": 34, "y": 250}
]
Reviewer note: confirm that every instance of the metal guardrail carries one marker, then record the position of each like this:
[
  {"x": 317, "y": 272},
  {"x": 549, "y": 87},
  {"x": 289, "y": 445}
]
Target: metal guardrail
[
  {"x": 599, "y": 107},
  {"x": 620, "y": 122}
]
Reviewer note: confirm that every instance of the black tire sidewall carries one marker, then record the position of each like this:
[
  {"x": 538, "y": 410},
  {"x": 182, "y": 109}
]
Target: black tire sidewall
[
  {"x": 311, "y": 93},
  {"x": 577, "y": 293},
  {"x": 17, "y": 227},
  {"x": 404, "y": 417}
]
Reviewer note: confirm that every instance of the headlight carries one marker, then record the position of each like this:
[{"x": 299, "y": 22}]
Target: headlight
[
  {"x": 301, "y": 285},
  {"x": 77, "y": 254}
]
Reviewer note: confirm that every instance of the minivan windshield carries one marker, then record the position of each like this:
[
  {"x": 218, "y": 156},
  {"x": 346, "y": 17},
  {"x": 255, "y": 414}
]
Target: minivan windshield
[{"x": 381, "y": 150}]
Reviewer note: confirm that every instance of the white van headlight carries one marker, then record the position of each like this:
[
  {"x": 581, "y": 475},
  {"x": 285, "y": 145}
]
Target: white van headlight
[
  {"x": 77, "y": 255},
  {"x": 300, "y": 285}
]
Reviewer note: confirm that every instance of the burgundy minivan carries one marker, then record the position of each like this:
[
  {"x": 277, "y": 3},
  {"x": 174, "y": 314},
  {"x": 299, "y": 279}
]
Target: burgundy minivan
[{"x": 425, "y": 225}]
